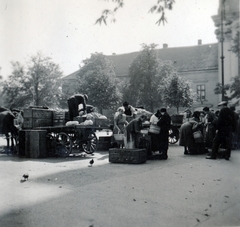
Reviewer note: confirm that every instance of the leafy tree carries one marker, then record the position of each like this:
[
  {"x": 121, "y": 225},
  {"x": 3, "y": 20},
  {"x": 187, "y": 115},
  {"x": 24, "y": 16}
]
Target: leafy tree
[
  {"x": 160, "y": 7},
  {"x": 146, "y": 73},
  {"x": 176, "y": 91},
  {"x": 38, "y": 84},
  {"x": 235, "y": 44},
  {"x": 143, "y": 78},
  {"x": 97, "y": 79},
  {"x": 235, "y": 87},
  {"x": 219, "y": 89}
]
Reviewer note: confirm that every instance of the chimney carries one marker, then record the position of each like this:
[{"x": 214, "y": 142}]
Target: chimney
[
  {"x": 165, "y": 45},
  {"x": 199, "y": 42}
]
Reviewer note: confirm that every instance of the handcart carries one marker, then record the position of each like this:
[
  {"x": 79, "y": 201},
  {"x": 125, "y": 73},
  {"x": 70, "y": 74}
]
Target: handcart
[{"x": 62, "y": 140}]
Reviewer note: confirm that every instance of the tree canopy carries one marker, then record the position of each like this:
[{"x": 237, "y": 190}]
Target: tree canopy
[
  {"x": 143, "y": 78},
  {"x": 97, "y": 79},
  {"x": 38, "y": 84},
  {"x": 176, "y": 91},
  {"x": 146, "y": 73}
]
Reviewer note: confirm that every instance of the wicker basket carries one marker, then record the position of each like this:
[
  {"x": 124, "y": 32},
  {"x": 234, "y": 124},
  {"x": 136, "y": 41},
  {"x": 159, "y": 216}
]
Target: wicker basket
[{"x": 118, "y": 137}]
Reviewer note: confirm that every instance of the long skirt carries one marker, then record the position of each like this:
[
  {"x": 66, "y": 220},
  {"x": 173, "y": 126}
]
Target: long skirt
[{"x": 129, "y": 144}]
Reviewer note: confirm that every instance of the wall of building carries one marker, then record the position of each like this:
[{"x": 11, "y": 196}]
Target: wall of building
[{"x": 209, "y": 78}]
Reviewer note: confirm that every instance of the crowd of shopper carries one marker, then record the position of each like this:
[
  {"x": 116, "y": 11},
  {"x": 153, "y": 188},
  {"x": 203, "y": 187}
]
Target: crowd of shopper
[
  {"x": 201, "y": 132},
  {"x": 211, "y": 132}
]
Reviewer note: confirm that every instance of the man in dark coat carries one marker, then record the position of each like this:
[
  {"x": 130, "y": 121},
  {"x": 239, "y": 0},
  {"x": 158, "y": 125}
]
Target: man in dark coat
[
  {"x": 226, "y": 125},
  {"x": 164, "y": 123},
  {"x": 73, "y": 103}
]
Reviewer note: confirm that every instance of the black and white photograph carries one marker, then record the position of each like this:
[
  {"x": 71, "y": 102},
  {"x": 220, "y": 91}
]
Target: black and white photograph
[{"x": 119, "y": 113}]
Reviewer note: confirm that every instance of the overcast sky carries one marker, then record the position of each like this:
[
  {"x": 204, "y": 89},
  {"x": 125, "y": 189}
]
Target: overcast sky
[{"x": 65, "y": 30}]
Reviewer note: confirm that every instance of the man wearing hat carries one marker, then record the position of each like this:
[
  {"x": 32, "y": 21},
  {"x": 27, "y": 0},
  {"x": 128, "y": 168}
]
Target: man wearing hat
[
  {"x": 73, "y": 103},
  {"x": 226, "y": 125}
]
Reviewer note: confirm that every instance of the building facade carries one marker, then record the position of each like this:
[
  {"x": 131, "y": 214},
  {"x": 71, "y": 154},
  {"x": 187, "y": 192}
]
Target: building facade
[{"x": 203, "y": 65}]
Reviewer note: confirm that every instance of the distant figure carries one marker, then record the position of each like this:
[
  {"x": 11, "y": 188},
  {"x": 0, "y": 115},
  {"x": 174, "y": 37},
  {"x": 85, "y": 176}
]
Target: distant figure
[
  {"x": 210, "y": 127},
  {"x": 164, "y": 123},
  {"x": 186, "y": 135},
  {"x": 154, "y": 131},
  {"x": 73, "y": 103},
  {"x": 226, "y": 125}
]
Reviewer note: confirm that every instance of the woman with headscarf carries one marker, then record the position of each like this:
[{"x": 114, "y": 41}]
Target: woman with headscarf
[
  {"x": 132, "y": 132},
  {"x": 186, "y": 135}
]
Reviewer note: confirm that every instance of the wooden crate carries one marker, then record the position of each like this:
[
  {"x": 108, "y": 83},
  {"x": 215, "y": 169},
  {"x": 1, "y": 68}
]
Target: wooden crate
[
  {"x": 129, "y": 156},
  {"x": 30, "y": 123},
  {"x": 38, "y": 113},
  {"x": 59, "y": 118},
  {"x": 37, "y": 118},
  {"x": 38, "y": 144},
  {"x": 24, "y": 143},
  {"x": 32, "y": 143}
]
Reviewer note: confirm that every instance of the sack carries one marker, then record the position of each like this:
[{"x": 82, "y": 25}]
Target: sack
[
  {"x": 154, "y": 129},
  {"x": 198, "y": 137}
]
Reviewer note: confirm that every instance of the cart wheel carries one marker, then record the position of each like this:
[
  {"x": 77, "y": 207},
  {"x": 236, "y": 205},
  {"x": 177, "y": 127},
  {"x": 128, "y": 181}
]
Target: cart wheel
[
  {"x": 63, "y": 144},
  {"x": 91, "y": 144},
  {"x": 173, "y": 135}
]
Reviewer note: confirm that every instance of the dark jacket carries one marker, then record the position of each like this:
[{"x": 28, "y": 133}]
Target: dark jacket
[
  {"x": 164, "y": 123},
  {"x": 226, "y": 120},
  {"x": 81, "y": 100}
]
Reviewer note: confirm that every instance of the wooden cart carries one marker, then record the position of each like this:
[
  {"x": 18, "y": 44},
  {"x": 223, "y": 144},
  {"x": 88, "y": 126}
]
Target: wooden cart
[{"x": 62, "y": 140}]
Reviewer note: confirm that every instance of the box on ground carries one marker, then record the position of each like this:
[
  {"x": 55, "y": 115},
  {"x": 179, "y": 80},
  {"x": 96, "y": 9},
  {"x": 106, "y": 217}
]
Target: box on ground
[
  {"x": 32, "y": 143},
  {"x": 130, "y": 156},
  {"x": 104, "y": 143}
]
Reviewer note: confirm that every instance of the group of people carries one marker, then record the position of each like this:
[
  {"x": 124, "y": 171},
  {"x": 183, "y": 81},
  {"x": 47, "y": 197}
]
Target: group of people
[
  {"x": 203, "y": 131},
  {"x": 208, "y": 132},
  {"x": 159, "y": 129}
]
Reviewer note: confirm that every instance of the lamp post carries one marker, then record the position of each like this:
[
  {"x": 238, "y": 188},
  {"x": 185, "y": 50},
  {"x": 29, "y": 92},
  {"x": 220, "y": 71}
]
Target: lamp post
[{"x": 222, "y": 54}]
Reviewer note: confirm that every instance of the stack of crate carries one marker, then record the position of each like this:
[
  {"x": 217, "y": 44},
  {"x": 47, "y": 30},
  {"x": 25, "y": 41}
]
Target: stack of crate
[{"x": 36, "y": 117}]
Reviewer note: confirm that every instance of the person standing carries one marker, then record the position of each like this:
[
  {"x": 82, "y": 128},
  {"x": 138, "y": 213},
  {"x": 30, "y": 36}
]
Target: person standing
[
  {"x": 154, "y": 131},
  {"x": 226, "y": 125},
  {"x": 164, "y": 123},
  {"x": 73, "y": 103},
  {"x": 210, "y": 127},
  {"x": 119, "y": 121}
]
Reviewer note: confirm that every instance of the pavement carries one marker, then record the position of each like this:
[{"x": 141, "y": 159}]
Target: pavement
[{"x": 181, "y": 191}]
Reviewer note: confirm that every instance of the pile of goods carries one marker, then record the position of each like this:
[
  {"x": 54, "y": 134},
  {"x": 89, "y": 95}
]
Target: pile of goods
[
  {"x": 94, "y": 119},
  {"x": 140, "y": 112}
]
